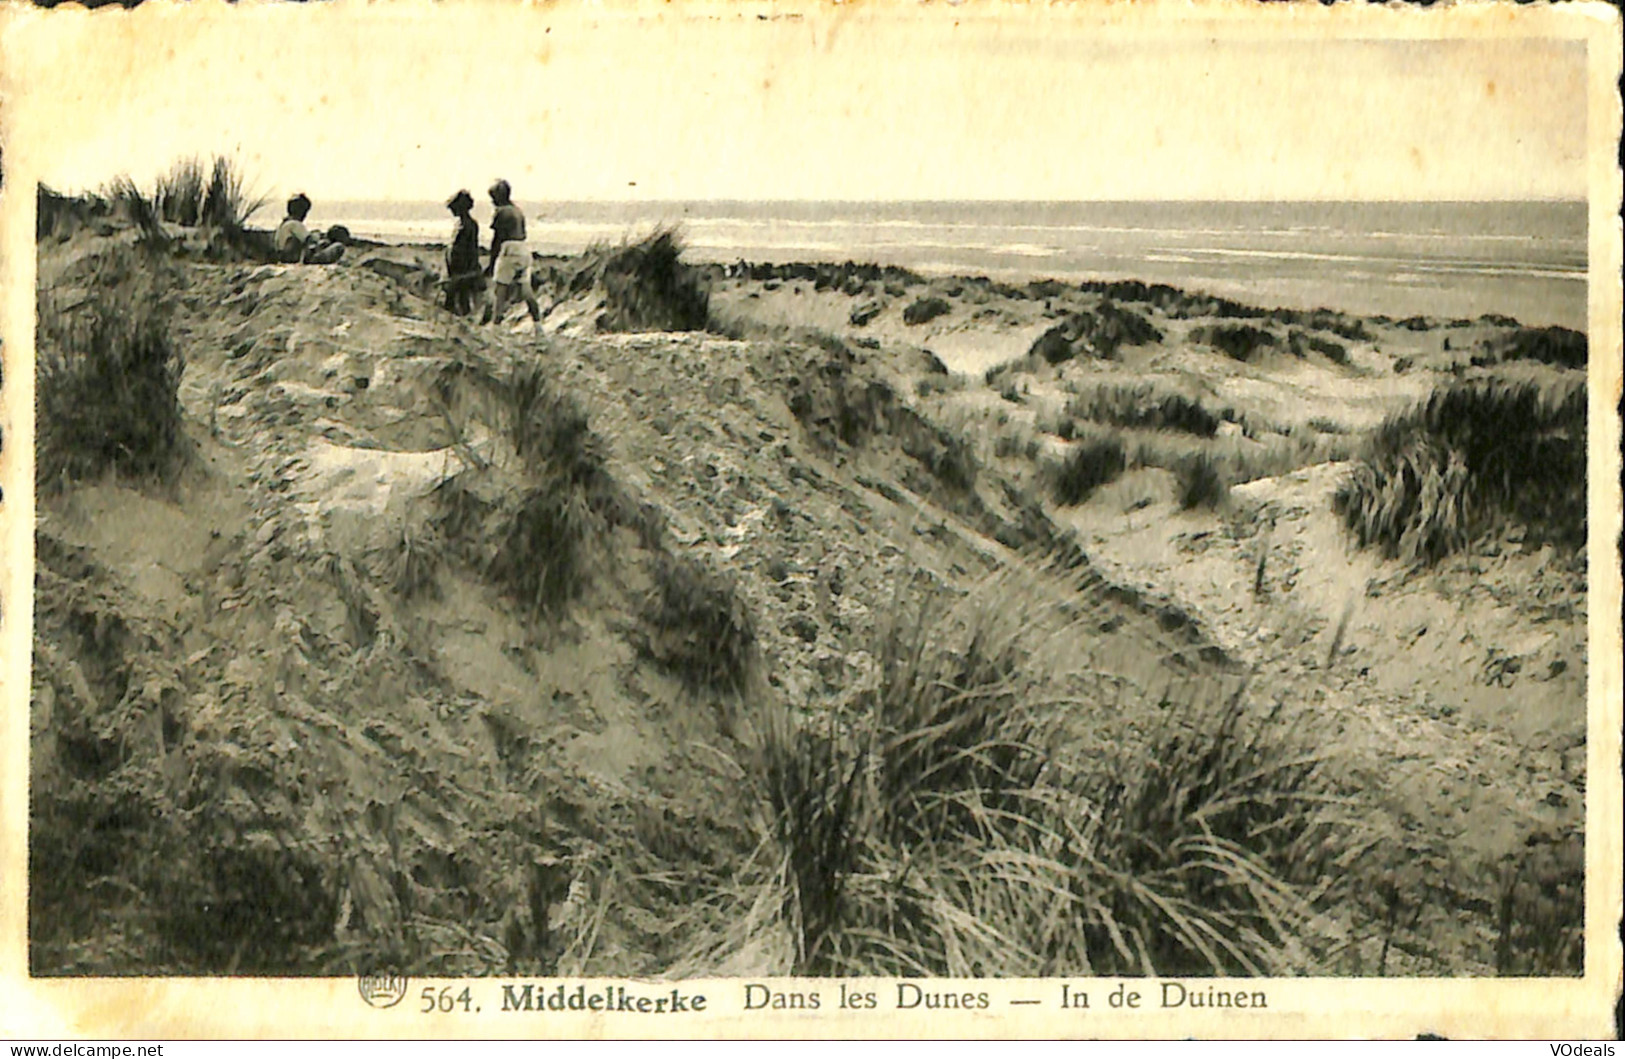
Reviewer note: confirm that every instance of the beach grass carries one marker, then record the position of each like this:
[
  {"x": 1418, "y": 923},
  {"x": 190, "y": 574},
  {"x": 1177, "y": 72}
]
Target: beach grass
[
  {"x": 1475, "y": 456},
  {"x": 139, "y": 210},
  {"x": 1090, "y": 463},
  {"x": 646, "y": 285},
  {"x": 109, "y": 371},
  {"x": 1144, "y": 405},
  {"x": 227, "y": 203},
  {"x": 1202, "y": 481},
  {"x": 939, "y": 833},
  {"x": 703, "y": 631},
  {"x": 180, "y": 192}
]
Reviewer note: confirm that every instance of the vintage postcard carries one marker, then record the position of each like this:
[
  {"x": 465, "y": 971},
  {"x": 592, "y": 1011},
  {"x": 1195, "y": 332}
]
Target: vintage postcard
[{"x": 810, "y": 520}]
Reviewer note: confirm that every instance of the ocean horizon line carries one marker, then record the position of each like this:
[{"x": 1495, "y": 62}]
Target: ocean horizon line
[{"x": 1525, "y": 257}]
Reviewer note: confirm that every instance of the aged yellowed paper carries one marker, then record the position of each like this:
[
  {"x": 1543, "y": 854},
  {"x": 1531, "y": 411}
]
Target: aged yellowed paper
[{"x": 747, "y": 520}]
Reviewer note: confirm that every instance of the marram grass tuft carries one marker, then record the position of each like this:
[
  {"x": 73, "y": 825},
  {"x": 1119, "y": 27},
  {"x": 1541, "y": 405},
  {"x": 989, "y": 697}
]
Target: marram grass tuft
[{"x": 1475, "y": 456}]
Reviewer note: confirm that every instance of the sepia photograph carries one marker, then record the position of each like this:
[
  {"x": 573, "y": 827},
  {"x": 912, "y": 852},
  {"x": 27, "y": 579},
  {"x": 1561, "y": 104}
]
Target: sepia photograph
[{"x": 601, "y": 498}]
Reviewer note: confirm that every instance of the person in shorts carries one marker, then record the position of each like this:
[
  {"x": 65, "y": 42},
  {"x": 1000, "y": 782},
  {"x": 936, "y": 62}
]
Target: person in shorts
[
  {"x": 510, "y": 254},
  {"x": 465, "y": 281},
  {"x": 295, "y": 244}
]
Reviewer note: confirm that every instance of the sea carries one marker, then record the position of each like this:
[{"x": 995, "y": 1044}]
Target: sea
[{"x": 1442, "y": 259}]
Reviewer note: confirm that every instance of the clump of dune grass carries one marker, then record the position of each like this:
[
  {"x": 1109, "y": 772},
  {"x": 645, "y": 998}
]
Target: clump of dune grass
[
  {"x": 1343, "y": 326},
  {"x": 61, "y": 215},
  {"x": 948, "y": 455},
  {"x": 646, "y": 285},
  {"x": 543, "y": 558},
  {"x": 551, "y": 432},
  {"x": 703, "y": 629},
  {"x": 548, "y": 427},
  {"x": 540, "y": 541},
  {"x": 139, "y": 210},
  {"x": 1557, "y": 346},
  {"x": 1265, "y": 451},
  {"x": 954, "y": 825},
  {"x": 1301, "y": 342},
  {"x": 1143, "y": 406},
  {"x": 227, "y": 203},
  {"x": 536, "y": 544},
  {"x": 179, "y": 193},
  {"x": 215, "y": 196},
  {"x": 416, "y": 562},
  {"x": 108, "y": 375},
  {"x": 52, "y": 211},
  {"x": 1541, "y": 907},
  {"x": 992, "y": 376},
  {"x": 812, "y": 778},
  {"x": 925, "y": 309},
  {"x": 1475, "y": 456},
  {"x": 1089, "y": 464},
  {"x": 1226, "y": 818},
  {"x": 1236, "y": 341},
  {"x": 1202, "y": 481},
  {"x": 1098, "y": 333}
]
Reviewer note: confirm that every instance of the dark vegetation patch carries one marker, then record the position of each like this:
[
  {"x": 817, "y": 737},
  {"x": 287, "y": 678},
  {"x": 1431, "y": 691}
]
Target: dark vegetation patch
[
  {"x": 1557, "y": 346},
  {"x": 997, "y": 288},
  {"x": 1300, "y": 343},
  {"x": 1202, "y": 481},
  {"x": 140, "y": 211},
  {"x": 1088, "y": 465},
  {"x": 924, "y": 310},
  {"x": 1146, "y": 406},
  {"x": 1188, "y": 305},
  {"x": 108, "y": 373},
  {"x": 702, "y": 629},
  {"x": 1350, "y": 328},
  {"x": 543, "y": 558},
  {"x": 1176, "y": 303},
  {"x": 220, "y": 200},
  {"x": 1205, "y": 837},
  {"x": 538, "y": 538},
  {"x": 864, "y": 312},
  {"x": 1236, "y": 341},
  {"x": 646, "y": 286},
  {"x": 1540, "y": 911},
  {"x": 826, "y": 276},
  {"x": 992, "y": 375},
  {"x": 947, "y": 456},
  {"x": 59, "y": 216},
  {"x": 1476, "y": 456},
  {"x": 215, "y": 200},
  {"x": 1098, "y": 333}
]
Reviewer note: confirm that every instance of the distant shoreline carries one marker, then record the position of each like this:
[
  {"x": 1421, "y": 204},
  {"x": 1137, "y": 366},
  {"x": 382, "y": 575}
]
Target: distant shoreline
[
  {"x": 1255, "y": 297},
  {"x": 1452, "y": 259}
]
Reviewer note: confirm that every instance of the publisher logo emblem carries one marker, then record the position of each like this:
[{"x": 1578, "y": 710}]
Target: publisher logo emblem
[{"x": 381, "y": 990}]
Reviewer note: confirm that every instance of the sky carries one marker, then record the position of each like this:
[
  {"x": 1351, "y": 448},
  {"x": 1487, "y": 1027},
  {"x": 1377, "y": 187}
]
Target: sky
[{"x": 862, "y": 102}]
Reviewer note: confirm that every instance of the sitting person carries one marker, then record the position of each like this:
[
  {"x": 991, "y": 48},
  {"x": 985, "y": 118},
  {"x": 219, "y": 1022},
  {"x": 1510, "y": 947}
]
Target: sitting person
[
  {"x": 297, "y": 245},
  {"x": 510, "y": 255},
  {"x": 465, "y": 282}
]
